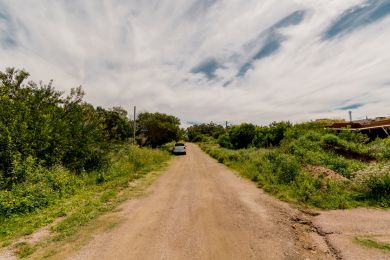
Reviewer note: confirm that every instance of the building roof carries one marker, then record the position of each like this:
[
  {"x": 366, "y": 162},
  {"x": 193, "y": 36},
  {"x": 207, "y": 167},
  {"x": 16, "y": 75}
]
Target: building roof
[{"x": 362, "y": 124}]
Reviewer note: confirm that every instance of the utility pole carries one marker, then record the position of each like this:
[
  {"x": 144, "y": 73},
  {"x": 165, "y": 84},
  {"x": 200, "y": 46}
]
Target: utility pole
[
  {"x": 134, "y": 124},
  {"x": 350, "y": 116},
  {"x": 226, "y": 124}
]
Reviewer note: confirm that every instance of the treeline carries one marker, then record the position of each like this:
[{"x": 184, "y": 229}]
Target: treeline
[
  {"x": 240, "y": 136},
  {"x": 42, "y": 129},
  {"x": 308, "y": 162}
]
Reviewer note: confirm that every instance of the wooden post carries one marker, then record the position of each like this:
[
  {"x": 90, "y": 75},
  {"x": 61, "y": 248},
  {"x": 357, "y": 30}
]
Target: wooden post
[{"x": 134, "y": 124}]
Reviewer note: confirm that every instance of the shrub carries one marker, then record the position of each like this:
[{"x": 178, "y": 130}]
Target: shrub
[
  {"x": 379, "y": 187},
  {"x": 211, "y": 130},
  {"x": 224, "y": 141},
  {"x": 306, "y": 188},
  {"x": 288, "y": 168},
  {"x": 330, "y": 139},
  {"x": 37, "y": 121},
  {"x": 354, "y": 136},
  {"x": 271, "y": 135},
  {"x": 285, "y": 166},
  {"x": 241, "y": 136},
  {"x": 41, "y": 188},
  {"x": 386, "y": 152},
  {"x": 197, "y": 138},
  {"x": 278, "y": 169}
]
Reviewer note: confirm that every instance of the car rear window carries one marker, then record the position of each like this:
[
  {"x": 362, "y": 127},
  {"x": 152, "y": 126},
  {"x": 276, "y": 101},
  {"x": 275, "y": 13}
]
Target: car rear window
[{"x": 179, "y": 144}]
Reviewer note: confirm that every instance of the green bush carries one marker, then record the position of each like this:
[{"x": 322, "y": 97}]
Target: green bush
[
  {"x": 271, "y": 135},
  {"x": 196, "y": 132},
  {"x": 379, "y": 187},
  {"x": 354, "y": 136},
  {"x": 37, "y": 121},
  {"x": 280, "y": 171},
  {"x": 386, "y": 152},
  {"x": 40, "y": 189},
  {"x": 224, "y": 141},
  {"x": 241, "y": 136},
  {"x": 331, "y": 139},
  {"x": 197, "y": 138},
  {"x": 168, "y": 147},
  {"x": 44, "y": 186},
  {"x": 286, "y": 167},
  {"x": 380, "y": 148},
  {"x": 49, "y": 143}
]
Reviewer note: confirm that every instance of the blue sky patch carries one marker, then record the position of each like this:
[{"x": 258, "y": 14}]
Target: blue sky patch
[
  {"x": 358, "y": 17},
  {"x": 294, "y": 18},
  {"x": 352, "y": 106},
  {"x": 7, "y": 37},
  {"x": 273, "y": 41},
  {"x": 208, "y": 68},
  {"x": 271, "y": 46},
  {"x": 244, "y": 68}
]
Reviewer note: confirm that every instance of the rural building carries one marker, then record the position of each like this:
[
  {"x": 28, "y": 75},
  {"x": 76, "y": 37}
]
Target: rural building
[{"x": 378, "y": 127}]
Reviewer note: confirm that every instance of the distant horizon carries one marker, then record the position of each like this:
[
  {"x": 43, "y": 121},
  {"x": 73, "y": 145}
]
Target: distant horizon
[{"x": 209, "y": 60}]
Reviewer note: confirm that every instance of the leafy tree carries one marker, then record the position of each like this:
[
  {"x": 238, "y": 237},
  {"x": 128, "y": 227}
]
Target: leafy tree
[
  {"x": 155, "y": 129},
  {"x": 224, "y": 141},
  {"x": 196, "y": 132},
  {"x": 116, "y": 125},
  {"x": 29, "y": 118},
  {"x": 41, "y": 126},
  {"x": 37, "y": 122},
  {"x": 85, "y": 146},
  {"x": 241, "y": 136},
  {"x": 271, "y": 135}
]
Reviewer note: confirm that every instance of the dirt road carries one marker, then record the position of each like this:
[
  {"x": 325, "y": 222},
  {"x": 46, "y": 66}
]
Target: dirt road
[{"x": 199, "y": 209}]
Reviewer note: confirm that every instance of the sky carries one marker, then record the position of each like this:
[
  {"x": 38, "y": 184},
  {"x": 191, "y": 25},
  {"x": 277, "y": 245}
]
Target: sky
[{"x": 209, "y": 60}]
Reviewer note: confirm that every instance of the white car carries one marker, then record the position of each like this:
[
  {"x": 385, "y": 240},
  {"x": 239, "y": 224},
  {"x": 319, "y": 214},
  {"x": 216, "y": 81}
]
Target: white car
[{"x": 179, "y": 148}]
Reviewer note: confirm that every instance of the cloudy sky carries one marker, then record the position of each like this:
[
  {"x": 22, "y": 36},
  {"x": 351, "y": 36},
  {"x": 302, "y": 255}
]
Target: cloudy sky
[{"x": 209, "y": 60}]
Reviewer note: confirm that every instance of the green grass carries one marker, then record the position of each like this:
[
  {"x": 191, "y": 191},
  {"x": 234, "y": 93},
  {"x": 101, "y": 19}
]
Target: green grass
[
  {"x": 372, "y": 243},
  {"x": 283, "y": 174},
  {"x": 100, "y": 192}
]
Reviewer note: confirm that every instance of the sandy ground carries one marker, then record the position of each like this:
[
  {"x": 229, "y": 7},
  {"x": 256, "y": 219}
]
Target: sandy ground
[
  {"x": 342, "y": 226},
  {"x": 199, "y": 209}
]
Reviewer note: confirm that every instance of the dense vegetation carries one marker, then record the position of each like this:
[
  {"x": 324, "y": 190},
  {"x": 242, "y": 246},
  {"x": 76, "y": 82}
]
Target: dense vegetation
[
  {"x": 308, "y": 163},
  {"x": 50, "y": 144},
  {"x": 156, "y": 129},
  {"x": 197, "y": 132}
]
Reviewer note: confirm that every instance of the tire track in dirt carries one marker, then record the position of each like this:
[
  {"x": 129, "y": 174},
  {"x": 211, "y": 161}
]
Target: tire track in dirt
[{"x": 199, "y": 209}]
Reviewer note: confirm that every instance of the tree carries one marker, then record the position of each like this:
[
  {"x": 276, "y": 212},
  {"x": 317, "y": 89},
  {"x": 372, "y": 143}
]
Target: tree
[
  {"x": 37, "y": 123},
  {"x": 271, "y": 135},
  {"x": 156, "y": 128},
  {"x": 241, "y": 136},
  {"x": 116, "y": 125},
  {"x": 85, "y": 147},
  {"x": 30, "y": 118},
  {"x": 196, "y": 132}
]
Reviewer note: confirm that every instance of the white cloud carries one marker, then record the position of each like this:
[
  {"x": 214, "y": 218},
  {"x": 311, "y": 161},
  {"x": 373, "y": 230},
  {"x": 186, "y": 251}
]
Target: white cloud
[{"x": 142, "y": 52}]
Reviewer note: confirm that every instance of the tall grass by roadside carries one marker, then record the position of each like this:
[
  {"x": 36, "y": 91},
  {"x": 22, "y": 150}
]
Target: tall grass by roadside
[
  {"x": 282, "y": 170},
  {"x": 56, "y": 192}
]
